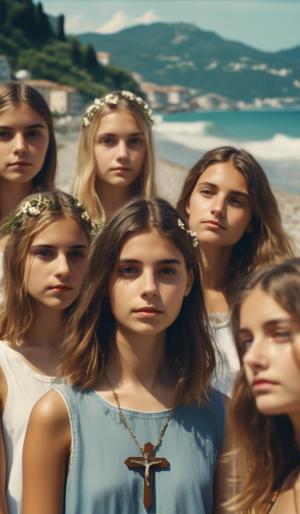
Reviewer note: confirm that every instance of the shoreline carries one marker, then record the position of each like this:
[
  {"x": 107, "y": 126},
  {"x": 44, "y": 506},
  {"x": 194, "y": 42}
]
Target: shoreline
[{"x": 169, "y": 181}]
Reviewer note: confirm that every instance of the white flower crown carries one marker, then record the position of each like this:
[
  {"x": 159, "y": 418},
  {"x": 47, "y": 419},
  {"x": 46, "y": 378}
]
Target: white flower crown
[
  {"x": 192, "y": 234},
  {"x": 112, "y": 99}
]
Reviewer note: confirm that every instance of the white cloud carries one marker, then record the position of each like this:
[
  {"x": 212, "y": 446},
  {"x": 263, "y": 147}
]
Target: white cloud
[
  {"x": 121, "y": 21},
  {"x": 117, "y": 22}
]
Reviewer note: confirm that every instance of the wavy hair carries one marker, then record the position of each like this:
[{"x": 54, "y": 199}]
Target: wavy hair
[
  {"x": 266, "y": 444},
  {"x": 13, "y": 94},
  {"x": 85, "y": 180},
  {"x": 16, "y": 313},
  {"x": 189, "y": 349},
  {"x": 267, "y": 242}
]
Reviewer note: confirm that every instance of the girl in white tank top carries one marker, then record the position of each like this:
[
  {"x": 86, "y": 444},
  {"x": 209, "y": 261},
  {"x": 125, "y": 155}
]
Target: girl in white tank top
[{"x": 44, "y": 264}]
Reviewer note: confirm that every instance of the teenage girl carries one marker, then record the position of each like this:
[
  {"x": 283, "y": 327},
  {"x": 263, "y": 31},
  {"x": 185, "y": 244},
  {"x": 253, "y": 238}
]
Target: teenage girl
[
  {"x": 27, "y": 147},
  {"x": 138, "y": 361},
  {"x": 228, "y": 202},
  {"x": 44, "y": 262},
  {"x": 265, "y": 409},
  {"x": 115, "y": 155}
]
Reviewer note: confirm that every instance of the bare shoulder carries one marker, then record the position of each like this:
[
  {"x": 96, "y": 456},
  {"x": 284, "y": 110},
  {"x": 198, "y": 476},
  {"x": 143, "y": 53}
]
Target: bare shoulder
[{"x": 50, "y": 413}]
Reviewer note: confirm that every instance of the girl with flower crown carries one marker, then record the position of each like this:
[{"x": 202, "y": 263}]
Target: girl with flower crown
[
  {"x": 115, "y": 153},
  {"x": 136, "y": 428},
  {"x": 227, "y": 200},
  {"x": 265, "y": 408},
  {"x": 44, "y": 262}
]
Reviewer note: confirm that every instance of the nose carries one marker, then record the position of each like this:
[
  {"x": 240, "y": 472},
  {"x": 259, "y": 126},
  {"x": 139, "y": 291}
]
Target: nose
[
  {"x": 21, "y": 145},
  {"x": 149, "y": 285},
  {"x": 122, "y": 150},
  {"x": 256, "y": 357},
  {"x": 62, "y": 268},
  {"x": 219, "y": 206}
]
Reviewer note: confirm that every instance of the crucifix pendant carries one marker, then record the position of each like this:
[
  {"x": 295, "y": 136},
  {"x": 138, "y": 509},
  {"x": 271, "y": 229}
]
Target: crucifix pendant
[{"x": 150, "y": 464}]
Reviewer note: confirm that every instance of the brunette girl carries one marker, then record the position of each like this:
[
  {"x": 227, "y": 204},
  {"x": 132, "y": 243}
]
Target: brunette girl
[
  {"x": 138, "y": 408},
  {"x": 228, "y": 202},
  {"x": 115, "y": 156},
  {"x": 265, "y": 409},
  {"x": 44, "y": 263}
]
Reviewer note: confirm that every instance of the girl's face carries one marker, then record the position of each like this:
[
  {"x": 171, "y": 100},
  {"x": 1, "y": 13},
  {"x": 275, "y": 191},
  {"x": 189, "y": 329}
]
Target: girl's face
[
  {"x": 219, "y": 207},
  {"x": 148, "y": 285},
  {"x": 24, "y": 140},
  {"x": 56, "y": 264},
  {"x": 119, "y": 149},
  {"x": 267, "y": 334}
]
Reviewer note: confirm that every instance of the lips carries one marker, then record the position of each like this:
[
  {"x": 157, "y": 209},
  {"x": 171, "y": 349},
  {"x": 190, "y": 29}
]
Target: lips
[
  {"x": 60, "y": 287},
  {"x": 214, "y": 223},
  {"x": 260, "y": 383},
  {"x": 149, "y": 310},
  {"x": 20, "y": 163}
]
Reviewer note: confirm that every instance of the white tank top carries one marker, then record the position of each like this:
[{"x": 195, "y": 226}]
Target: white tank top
[{"x": 24, "y": 387}]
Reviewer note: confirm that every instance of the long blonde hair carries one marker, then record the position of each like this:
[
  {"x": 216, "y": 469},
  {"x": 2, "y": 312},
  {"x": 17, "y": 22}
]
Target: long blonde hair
[
  {"x": 85, "y": 180},
  {"x": 189, "y": 349},
  {"x": 267, "y": 241},
  {"x": 16, "y": 313},
  {"x": 266, "y": 451}
]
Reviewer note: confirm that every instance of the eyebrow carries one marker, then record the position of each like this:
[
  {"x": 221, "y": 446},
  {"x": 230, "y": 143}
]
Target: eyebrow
[
  {"x": 115, "y": 134},
  {"x": 33, "y": 126},
  {"x": 162, "y": 261},
  {"x": 233, "y": 191},
  {"x": 53, "y": 246}
]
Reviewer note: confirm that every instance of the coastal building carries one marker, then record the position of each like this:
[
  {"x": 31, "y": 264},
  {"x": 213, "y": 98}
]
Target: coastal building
[
  {"x": 5, "y": 71},
  {"x": 166, "y": 97},
  {"x": 103, "y": 58},
  {"x": 60, "y": 98}
]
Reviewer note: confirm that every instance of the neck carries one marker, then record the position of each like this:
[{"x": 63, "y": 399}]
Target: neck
[
  {"x": 129, "y": 360},
  {"x": 215, "y": 263},
  {"x": 47, "y": 328},
  {"x": 111, "y": 197},
  {"x": 11, "y": 194}
]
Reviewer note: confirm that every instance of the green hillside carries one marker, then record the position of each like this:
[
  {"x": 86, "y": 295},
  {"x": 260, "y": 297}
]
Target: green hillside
[{"x": 30, "y": 41}]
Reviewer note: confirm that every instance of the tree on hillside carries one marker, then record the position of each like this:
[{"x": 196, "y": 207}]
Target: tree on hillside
[{"x": 61, "y": 27}]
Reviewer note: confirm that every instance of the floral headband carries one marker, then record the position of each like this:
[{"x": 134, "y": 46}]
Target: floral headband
[
  {"x": 193, "y": 235},
  {"x": 35, "y": 206},
  {"x": 112, "y": 100}
]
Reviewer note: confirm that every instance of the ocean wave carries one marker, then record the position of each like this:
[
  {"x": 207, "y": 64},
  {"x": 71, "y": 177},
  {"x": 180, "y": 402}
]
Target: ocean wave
[{"x": 198, "y": 136}]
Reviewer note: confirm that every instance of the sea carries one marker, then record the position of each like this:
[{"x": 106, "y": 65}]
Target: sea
[{"x": 272, "y": 136}]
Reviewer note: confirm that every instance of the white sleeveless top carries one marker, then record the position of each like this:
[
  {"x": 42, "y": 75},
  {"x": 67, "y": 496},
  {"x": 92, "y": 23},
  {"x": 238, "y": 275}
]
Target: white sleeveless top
[{"x": 24, "y": 387}]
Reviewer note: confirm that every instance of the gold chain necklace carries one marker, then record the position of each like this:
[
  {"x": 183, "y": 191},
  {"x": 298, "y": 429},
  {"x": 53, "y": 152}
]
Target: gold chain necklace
[{"x": 148, "y": 463}]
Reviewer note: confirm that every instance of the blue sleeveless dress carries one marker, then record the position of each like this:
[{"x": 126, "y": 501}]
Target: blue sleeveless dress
[{"x": 99, "y": 482}]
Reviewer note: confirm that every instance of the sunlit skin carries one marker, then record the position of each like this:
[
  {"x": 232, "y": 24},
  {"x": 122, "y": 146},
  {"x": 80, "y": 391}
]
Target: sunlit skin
[
  {"x": 56, "y": 264},
  {"x": 24, "y": 139},
  {"x": 219, "y": 209},
  {"x": 148, "y": 286},
  {"x": 267, "y": 335},
  {"x": 119, "y": 150}
]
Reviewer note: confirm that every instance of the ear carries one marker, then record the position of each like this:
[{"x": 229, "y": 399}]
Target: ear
[
  {"x": 188, "y": 210},
  {"x": 189, "y": 283}
]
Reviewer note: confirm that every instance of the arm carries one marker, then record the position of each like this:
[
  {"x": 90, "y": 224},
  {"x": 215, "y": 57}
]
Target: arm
[
  {"x": 45, "y": 456},
  {"x": 3, "y": 395},
  {"x": 224, "y": 486}
]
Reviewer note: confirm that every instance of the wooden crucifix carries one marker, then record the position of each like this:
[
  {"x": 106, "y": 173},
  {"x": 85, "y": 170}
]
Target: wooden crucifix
[{"x": 150, "y": 463}]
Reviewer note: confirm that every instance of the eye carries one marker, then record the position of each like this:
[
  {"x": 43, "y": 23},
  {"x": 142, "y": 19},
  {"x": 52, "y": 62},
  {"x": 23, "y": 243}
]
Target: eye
[
  {"x": 167, "y": 271},
  {"x": 236, "y": 202},
  {"x": 107, "y": 140},
  {"x": 128, "y": 271},
  {"x": 283, "y": 336},
  {"x": 44, "y": 253},
  {"x": 135, "y": 141},
  {"x": 5, "y": 134},
  {"x": 206, "y": 192},
  {"x": 33, "y": 134},
  {"x": 77, "y": 254},
  {"x": 245, "y": 342}
]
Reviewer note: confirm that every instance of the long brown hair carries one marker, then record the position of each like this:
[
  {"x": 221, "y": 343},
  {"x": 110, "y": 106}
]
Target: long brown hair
[
  {"x": 13, "y": 94},
  {"x": 188, "y": 345},
  {"x": 266, "y": 444},
  {"x": 267, "y": 241},
  {"x": 16, "y": 313}
]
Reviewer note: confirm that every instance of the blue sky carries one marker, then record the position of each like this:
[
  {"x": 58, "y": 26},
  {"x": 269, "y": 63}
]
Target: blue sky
[{"x": 265, "y": 24}]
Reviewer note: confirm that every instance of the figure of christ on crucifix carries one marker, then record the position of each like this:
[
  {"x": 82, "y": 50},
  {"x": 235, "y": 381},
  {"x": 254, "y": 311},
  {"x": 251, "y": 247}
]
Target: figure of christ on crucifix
[{"x": 150, "y": 464}]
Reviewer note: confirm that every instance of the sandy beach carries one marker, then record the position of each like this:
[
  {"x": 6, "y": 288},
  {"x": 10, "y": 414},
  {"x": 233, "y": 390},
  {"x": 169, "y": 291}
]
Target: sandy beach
[{"x": 169, "y": 180}]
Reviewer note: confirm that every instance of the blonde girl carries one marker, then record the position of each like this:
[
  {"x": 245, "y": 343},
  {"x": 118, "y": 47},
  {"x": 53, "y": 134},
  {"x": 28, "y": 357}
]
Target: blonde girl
[
  {"x": 137, "y": 407},
  {"x": 265, "y": 408},
  {"x": 44, "y": 263},
  {"x": 115, "y": 153},
  {"x": 228, "y": 202}
]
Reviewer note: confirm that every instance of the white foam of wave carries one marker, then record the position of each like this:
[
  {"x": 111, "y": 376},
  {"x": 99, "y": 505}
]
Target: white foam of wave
[{"x": 194, "y": 135}]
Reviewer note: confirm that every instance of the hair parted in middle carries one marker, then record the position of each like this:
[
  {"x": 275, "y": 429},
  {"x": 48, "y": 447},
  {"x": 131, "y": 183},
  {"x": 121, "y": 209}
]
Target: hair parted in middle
[
  {"x": 85, "y": 181},
  {"x": 266, "y": 443},
  {"x": 267, "y": 241},
  {"x": 33, "y": 214},
  {"x": 189, "y": 348}
]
